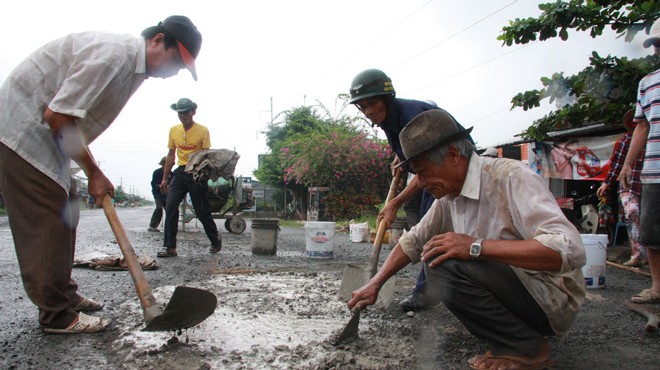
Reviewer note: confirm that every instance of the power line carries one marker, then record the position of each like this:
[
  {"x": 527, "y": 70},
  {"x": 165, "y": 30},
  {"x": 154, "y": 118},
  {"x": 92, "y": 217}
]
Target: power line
[
  {"x": 471, "y": 68},
  {"x": 367, "y": 46},
  {"x": 489, "y": 115},
  {"x": 454, "y": 35}
]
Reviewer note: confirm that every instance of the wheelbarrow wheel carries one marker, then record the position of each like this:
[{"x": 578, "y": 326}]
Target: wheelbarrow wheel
[{"x": 235, "y": 225}]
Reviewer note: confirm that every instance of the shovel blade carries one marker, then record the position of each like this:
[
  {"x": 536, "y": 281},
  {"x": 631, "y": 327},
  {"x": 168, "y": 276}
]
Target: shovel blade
[
  {"x": 351, "y": 329},
  {"x": 355, "y": 276},
  {"x": 187, "y": 308}
]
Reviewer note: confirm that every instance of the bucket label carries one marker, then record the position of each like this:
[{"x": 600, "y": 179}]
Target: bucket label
[
  {"x": 320, "y": 237},
  {"x": 594, "y": 282}
]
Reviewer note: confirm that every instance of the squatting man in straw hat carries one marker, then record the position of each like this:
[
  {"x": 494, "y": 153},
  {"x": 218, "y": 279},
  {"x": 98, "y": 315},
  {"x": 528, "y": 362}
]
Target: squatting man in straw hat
[
  {"x": 52, "y": 106},
  {"x": 497, "y": 250}
]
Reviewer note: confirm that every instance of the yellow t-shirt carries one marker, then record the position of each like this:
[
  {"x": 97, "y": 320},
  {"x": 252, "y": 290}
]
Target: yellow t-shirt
[{"x": 187, "y": 142}]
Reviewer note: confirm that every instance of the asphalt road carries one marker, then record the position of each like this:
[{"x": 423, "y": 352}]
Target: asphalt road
[{"x": 280, "y": 311}]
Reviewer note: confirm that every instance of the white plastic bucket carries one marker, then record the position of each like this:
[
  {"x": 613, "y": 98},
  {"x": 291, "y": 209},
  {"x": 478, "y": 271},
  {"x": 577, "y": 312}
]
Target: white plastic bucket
[
  {"x": 595, "y": 246},
  {"x": 359, "y": 233},
  {"x": 318, "y": 239}
]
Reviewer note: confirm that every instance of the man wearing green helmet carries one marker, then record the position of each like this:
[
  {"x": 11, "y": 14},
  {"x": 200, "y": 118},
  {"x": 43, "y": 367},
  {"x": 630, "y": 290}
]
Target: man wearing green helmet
[{"x": 374, "y": 95}]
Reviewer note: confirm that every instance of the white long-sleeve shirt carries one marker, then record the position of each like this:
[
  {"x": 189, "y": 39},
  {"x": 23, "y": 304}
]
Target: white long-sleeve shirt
[
  {"x": 502, "y": 199},
  {"x": 89, "y": 75}
]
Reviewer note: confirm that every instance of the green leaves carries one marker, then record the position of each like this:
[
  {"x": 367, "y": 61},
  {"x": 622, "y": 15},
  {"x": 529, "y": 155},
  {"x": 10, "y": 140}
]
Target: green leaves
[
  {"x": 592, "y": 15},
  {"x": 600, "y": 93},
  {"x": 603, "y": 90}
]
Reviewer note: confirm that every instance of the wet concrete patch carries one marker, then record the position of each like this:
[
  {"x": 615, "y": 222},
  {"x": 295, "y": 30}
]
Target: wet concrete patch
[{"x": 282, "y": 319}]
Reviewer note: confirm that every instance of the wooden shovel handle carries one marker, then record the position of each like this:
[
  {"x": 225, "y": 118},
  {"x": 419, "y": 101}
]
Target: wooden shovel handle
[
  {"x": 141, "y": 285},
  {"x": 380, "y": 233}
]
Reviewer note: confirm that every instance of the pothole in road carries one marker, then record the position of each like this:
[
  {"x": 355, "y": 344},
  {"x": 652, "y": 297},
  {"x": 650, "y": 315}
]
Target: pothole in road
[{"x": 276, "y": 318}]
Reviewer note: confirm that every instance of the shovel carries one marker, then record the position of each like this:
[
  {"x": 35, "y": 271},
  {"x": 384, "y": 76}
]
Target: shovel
[
  {"x": 187, "y": 307},
  {"x": 355, "y": 276},
  {"x": 351, "y": 329}
]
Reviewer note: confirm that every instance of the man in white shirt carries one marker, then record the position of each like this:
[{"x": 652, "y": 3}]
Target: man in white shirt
[
  {"x": 497, "y": 249},
  {"x": 52, "y": 106}
]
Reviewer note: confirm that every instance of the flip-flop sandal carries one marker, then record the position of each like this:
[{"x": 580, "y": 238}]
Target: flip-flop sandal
[
  {"x": 488, "y": 354},
  {"x": 88, "y": 305},
  {"x": 646, "y": 296},
  {"x": 85, "y": 324},
  {"x": 167, "y": 253}
]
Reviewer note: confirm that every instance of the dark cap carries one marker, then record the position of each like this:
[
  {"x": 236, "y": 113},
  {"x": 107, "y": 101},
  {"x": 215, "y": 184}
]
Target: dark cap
[
  {"x": 427, "y": 131},
  {"x": 188, "y": 38},
  {"x": 184, "y": 105},
  {"x": 627, "y": 120}
]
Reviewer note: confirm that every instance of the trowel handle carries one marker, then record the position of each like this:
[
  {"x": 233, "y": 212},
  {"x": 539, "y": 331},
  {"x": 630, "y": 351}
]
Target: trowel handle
[
  {"x": 380, "y": 233},
  {"x": 141, "y": 285}
]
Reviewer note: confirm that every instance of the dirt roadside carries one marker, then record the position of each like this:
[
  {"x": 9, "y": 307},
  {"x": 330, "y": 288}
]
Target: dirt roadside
[{"x": 280, "y": 312}]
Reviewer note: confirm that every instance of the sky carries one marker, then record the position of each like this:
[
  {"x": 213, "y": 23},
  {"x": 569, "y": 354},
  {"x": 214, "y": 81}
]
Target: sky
[{"x": 260, "y": 58}]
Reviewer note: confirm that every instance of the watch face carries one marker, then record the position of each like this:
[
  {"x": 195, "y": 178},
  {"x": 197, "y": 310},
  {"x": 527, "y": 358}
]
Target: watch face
[{"x": 475, "y": 250}]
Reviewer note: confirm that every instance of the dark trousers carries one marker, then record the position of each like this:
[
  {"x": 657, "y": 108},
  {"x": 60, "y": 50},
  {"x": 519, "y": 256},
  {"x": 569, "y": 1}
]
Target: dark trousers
[
  {"x": 649, "y": 218},
  {"x": 158, "y": 212},
  {"x": 425, "y": 202},
  {"x": 43, "y": 218},
  {"x": 182, "y": 183},
  {"x": 491, "y": 302},
  {"x": 420, "y": 285},
  {"x": 412, "y": 208}
]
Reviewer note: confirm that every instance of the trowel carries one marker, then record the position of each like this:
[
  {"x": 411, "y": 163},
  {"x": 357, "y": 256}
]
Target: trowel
[{"x": 187, "y": 307}]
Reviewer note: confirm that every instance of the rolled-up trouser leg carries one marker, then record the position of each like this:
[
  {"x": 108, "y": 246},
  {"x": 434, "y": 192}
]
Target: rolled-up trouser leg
[{"x": 489, "y": 299}]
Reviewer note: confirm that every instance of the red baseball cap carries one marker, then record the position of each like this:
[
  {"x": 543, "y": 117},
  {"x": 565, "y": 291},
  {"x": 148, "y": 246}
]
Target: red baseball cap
[{"x": 189, "y": 39}]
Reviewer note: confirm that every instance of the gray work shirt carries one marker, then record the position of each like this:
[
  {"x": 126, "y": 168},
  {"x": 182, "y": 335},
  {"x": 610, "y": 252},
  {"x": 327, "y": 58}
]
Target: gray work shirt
[
  {"x": 89, "y": 75},
  {"x": 502, "y": 199}
]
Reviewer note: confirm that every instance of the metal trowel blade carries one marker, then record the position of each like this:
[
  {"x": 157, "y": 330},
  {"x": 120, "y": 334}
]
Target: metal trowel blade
[{"x": 351, "y": 329}]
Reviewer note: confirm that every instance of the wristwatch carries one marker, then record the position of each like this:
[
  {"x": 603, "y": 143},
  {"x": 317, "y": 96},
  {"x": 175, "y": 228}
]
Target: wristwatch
[{"x": 475, "y": 248}]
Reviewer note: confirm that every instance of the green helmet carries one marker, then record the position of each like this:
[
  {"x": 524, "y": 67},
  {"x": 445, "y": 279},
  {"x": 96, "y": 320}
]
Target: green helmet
[{"x": 372, "y": 82}]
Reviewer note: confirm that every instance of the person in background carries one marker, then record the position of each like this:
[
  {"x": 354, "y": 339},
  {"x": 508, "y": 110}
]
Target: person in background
[
  {"x": 511, "y": 280},
  {"x": 185, "y": 139},
  {"x": 374, "y": 95},
  {"x": 490, "y": 153},
  {"x": 52, "y": 106},
  {"x": 629, "y": 197},
  {"x": 646, "y": 137},
  {"x": 159, "y": 197}
]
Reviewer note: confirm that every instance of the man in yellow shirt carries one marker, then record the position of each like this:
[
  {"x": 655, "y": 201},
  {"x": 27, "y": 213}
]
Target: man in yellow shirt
[{"x": 185, "y": 139}]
